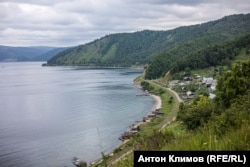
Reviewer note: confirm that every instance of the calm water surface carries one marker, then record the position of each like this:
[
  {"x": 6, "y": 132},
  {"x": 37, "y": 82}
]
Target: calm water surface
[{"x": 48, "y": 115}]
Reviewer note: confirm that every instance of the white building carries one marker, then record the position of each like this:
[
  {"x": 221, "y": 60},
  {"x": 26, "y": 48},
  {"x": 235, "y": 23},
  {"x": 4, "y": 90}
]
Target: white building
[{"x": 209, "y": 82}]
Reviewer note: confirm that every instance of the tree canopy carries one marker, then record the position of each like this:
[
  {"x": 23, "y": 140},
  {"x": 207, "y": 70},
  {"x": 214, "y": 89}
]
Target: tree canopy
[
  {"x": 233, "y": 83},
  {"x": 196, "y": 58}
]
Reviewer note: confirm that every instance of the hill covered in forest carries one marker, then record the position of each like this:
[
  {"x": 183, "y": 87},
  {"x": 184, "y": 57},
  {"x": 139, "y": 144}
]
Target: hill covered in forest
[
  {"x": 138, "y": 48},
  {"x": 213, "y": 55}
]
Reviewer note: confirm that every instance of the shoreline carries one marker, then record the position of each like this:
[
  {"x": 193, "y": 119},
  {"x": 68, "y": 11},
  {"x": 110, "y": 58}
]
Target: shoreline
[
  {"x": 158, "y": 102},
  {"x": 157, "y": 105}
]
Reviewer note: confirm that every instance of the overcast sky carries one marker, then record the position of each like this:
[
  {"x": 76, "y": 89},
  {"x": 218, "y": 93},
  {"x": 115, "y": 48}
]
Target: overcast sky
[{"x": 75, "y": 22}]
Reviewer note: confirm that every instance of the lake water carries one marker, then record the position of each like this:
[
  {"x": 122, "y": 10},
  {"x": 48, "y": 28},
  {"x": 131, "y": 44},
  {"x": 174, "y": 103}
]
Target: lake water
[{"x": 48, "y": 115}]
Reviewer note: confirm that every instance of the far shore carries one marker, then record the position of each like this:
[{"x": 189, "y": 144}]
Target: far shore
[{"x": 91, "y": 66}]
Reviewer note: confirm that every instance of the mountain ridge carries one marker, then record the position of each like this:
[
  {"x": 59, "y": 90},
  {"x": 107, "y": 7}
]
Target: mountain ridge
[{"x": 138, "y": 48}]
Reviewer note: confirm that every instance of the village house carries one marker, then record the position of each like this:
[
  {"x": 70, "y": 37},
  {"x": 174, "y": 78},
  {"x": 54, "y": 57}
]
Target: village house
[
  {"x": 190, "y": 95},
  {"x": 211, "y": 95},
  {"x": 209, "y": 83},
  {"x": 187, "y": 78}
]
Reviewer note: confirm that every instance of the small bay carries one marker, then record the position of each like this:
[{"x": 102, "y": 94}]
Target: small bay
[{"x": 48, "y": 115}]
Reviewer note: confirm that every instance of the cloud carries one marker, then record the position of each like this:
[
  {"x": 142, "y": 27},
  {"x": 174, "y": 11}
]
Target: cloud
[
  {"x": 74, "y": 22},
  {"x": 36, "y": 2}
]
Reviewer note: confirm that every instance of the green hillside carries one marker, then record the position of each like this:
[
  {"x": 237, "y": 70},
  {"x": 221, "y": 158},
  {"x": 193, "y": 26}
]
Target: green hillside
[
  {"x": 126, "y": 49},
  {"x": 213, "y": 55}
]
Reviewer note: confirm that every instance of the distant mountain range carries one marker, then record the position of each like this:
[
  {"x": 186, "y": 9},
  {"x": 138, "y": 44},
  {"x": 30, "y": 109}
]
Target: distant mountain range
[
  {"x": 126, "y": 49},
  {"x": 34, "y": 53}
]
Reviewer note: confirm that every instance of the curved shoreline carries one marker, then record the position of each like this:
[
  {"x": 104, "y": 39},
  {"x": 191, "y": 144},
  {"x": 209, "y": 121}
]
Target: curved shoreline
[
  {"x": 157, "y": 105},
  {"x": 158, "y": 102},
  {"x": 135, "y": 127}
]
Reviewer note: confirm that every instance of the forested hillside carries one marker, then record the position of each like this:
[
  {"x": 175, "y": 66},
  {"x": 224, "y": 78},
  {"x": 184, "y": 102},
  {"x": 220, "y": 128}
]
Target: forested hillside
[
  {"x": 217, "y": 54},
  {"x": 126, "y": 49}
]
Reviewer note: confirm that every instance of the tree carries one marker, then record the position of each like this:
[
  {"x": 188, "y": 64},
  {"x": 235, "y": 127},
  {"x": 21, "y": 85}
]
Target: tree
[
  {"x": 198, "y": 112},
  {"x": 233, "y": 83},
  {"x": 187, "y": 71}
]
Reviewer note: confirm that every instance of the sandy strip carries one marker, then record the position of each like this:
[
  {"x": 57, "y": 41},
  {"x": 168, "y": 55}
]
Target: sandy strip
[{"x": 157, "y": 103}]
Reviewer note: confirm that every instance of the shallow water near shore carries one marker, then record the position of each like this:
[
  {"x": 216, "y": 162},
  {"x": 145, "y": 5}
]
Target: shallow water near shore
[{"x": 48, "y": 115}]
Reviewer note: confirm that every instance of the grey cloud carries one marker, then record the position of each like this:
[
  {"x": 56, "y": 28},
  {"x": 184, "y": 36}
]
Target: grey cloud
[
  {"x": 67, "y": 23},
  {"x": 170, "y": 2},
  {"x": 36, "y": 2}
]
